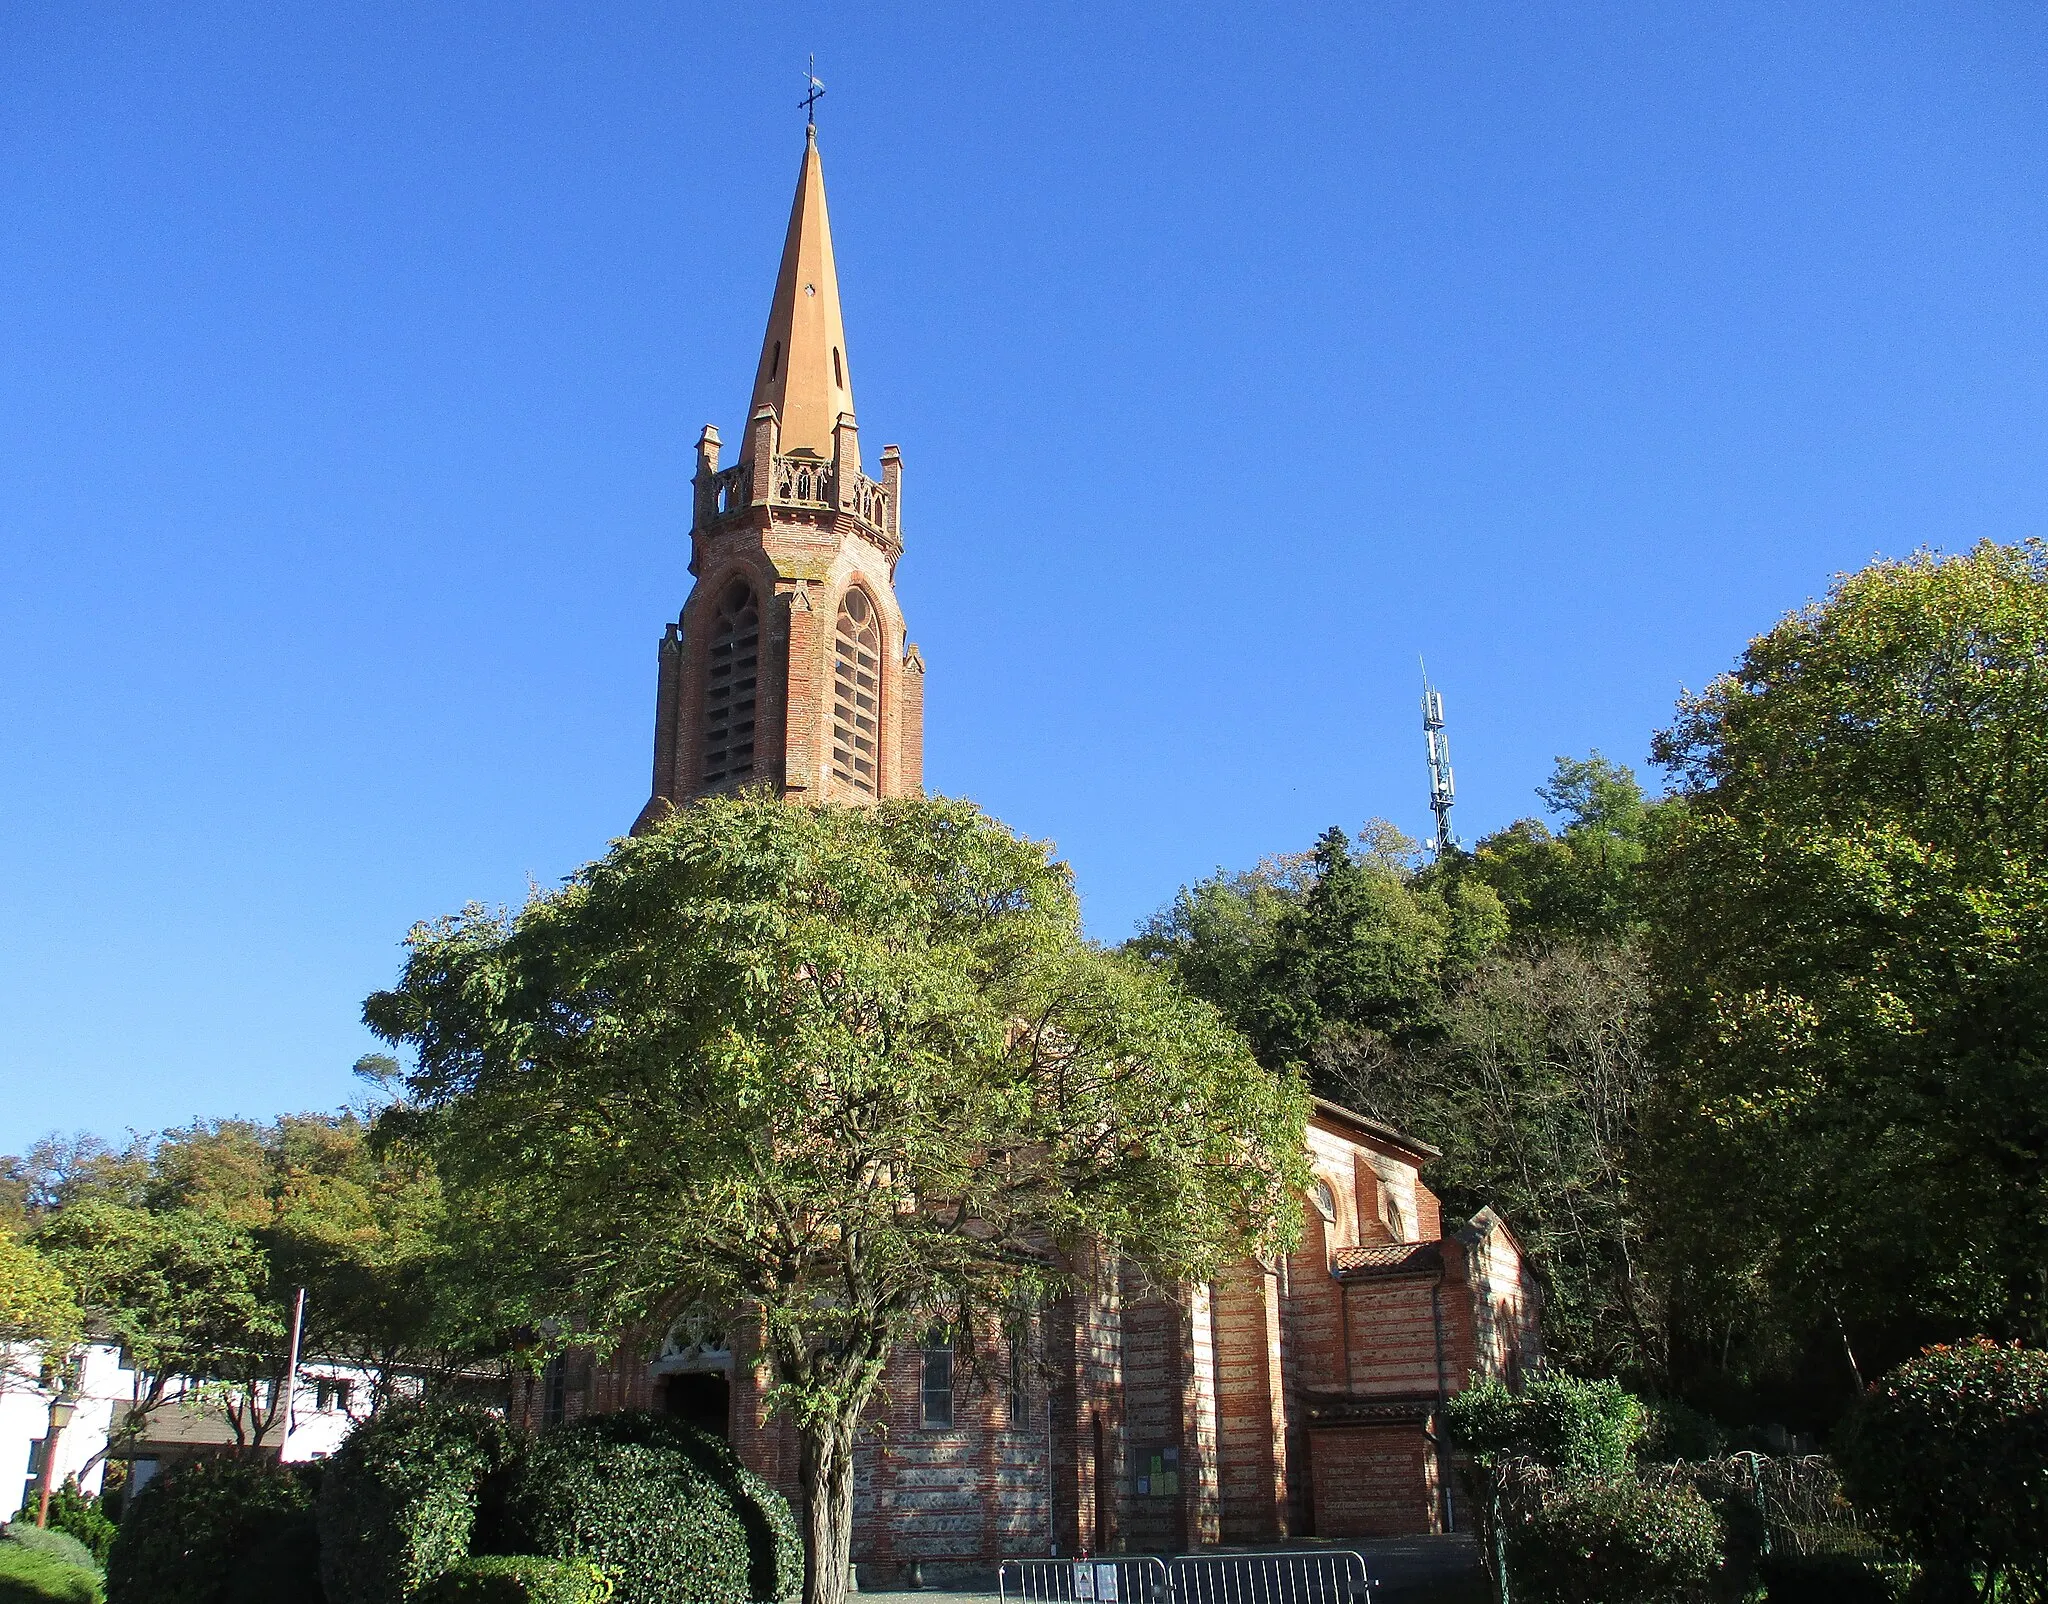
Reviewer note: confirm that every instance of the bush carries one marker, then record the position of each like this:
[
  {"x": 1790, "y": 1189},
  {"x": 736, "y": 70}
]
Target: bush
[
  {"x": 29, "y": 1576},
  {"x": 1613, "y": 1542},
  {"x": 400, "y": 1499},
  {"x": 282, "y": 1568},
  {"x": 60, "y": 1546},
  {"x": 1557, "y": 1420},
  {"x": 519, "y": 1579},
  {"x": 185, "y": 1535},
  {"x": 668, "y": 1511},
  {"x": 71, "y": 1511},
  {"x": 1821, "y": 1579},
  {"x": 1950, "y": 1453}
]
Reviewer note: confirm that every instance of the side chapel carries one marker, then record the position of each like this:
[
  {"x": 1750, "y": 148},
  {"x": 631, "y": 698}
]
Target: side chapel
[{"x": 1300, "y": 1398}]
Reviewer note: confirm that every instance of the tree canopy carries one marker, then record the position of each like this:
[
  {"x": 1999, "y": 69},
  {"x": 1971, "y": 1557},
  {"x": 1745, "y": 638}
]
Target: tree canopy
[
  {"x": 1849, "y": 939},
  {"x": 851, "y": 1071}
]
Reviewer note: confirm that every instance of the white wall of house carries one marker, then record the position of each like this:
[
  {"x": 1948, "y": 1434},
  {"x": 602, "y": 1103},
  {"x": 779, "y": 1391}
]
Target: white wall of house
[
  {"x": 25, "y": 1418},
  {"x": 329, "y": 1400}
]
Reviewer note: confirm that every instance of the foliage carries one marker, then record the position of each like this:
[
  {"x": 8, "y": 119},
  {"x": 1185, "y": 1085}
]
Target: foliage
[
  {"x": 182, "y": 1292},
  {"x": 83, "y": 1518},
  {"x": 1342, "y": 940},
  {"x": 400, "y": 1498},
  {"x": 1533, "y": 1091},
  {"x": 1580, "y": 882},
  {"x": 183, "y": 1536},
  {"x": 667, "y": 1511},
  {"x": 852, "y": 1068},
  {"x": 1849, "y": 938},
  {"x": 1613, "y": 1541},
  {"x": 1586, "y": 1427},
  {"x": 58, "y": 1545},
  {"x": 1524, "y": 1063},
  {"x": 359, "y": 1224},
  {"x": 35, "y": 1304},
  {"x": 520, "y": 1579},
  {"x": 1950, "y": 1452},
  {"x": 30, "y": 1577},
  {"x": 1822, "y": 1579},
  {"x": 281, "y": 1567}
]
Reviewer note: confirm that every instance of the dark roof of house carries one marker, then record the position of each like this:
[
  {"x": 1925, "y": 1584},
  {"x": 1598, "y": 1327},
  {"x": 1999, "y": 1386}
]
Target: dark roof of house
[
  {"x": 1379, "y": 1128},
  {"x": 1390, "y": 1259}
]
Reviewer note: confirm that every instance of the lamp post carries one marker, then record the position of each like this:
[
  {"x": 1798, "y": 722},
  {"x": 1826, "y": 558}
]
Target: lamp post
[{"x": 63, "y": 1404}]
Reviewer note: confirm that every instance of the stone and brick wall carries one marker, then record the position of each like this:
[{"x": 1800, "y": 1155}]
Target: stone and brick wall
[{"x": 1297, "y": 1399}]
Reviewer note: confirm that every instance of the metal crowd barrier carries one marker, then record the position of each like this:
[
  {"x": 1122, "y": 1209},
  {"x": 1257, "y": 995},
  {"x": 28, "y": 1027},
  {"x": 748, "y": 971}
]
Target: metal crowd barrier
[
  {"x": 1281, "y": 1576},
  {"x": 1113, "y": 1579}
]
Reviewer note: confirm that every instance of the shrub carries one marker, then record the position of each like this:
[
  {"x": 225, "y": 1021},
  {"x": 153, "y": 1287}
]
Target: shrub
[
  {"x": 400, "y": 1499},
  {"x": 1950, "y": 1453},
  {"x": 519, "y": 1579},
  {"x": 71, "y": 1511},
  {"x": 668, "y": 1511},
  {"x": 184, "y": 1535},
  {"x": 282, "y": 1568},
  {"x": 1613, "y": 1542},
  {"x": 60, "y": 1546},
  {"x": 1557, "y": 1420},
  {"x": 1821, "y": 1579},
  {"x": 29, "y": 1576}
]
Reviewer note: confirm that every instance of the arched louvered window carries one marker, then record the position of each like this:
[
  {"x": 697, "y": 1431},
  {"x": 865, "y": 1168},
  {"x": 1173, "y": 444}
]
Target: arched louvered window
[
  {"x": 730, "y": 663},
  {"x": 857, "y": 695}
]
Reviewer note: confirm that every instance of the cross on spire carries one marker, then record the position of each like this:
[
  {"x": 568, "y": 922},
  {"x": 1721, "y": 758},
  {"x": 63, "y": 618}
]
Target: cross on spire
[{"x": 817, "y": 93}]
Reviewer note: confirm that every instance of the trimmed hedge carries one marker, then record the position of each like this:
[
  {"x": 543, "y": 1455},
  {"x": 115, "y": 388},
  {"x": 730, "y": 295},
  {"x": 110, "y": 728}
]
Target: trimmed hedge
[
  {"x": 29, "y": 1576},
  {"x": 282, "y": 1568},
  {"x": 1950, "y": 1452},
  {"x": 519, "y": 1579},
  {"x": 184, "y": 1536},
  {"x": 82, "y": 1517},
  {"x": 400, "y": 1500},
  {"x": 668, "y": 1512},
  {"x": 59, "y": 1546},
  {"x": 1589, "y": 1427},
  {"x": 1614, "y": 1542}
]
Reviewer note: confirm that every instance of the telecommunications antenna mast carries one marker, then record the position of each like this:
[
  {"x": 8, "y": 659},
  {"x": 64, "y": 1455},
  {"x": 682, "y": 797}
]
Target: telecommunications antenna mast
[{"x": 1441, "y": 790}]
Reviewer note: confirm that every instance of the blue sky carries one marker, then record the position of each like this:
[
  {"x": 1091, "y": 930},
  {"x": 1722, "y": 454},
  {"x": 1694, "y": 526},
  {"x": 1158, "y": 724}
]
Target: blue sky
[{"x": 350, "y": 359}]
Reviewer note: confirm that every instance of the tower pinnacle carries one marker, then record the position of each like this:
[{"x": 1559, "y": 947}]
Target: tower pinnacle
[{"x": 803, "y": 372}]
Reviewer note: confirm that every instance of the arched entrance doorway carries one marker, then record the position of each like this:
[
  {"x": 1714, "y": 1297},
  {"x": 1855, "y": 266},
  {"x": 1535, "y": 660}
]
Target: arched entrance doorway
[{"x": 703, "y": 1398}]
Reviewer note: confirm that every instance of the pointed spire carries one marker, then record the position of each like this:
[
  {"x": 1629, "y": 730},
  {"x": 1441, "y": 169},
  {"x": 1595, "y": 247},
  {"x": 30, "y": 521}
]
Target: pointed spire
[{"x": 803, "y": 372}]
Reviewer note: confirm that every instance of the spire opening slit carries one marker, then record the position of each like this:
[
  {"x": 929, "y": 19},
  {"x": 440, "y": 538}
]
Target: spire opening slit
[
  {"x": 857, "y": 695},
  {"x": 730, "y": 673}
]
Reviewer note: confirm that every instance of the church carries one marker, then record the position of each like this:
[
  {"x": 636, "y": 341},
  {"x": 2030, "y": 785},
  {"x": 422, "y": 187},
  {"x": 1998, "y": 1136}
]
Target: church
[{"x": 1300, "y": 1398}]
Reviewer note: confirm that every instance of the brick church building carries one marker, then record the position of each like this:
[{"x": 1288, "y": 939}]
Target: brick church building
[{"x": 1301, "y": 1398}]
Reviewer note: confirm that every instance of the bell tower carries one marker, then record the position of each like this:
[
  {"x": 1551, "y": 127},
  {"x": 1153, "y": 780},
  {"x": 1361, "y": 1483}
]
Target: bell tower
[{"x": 789, "y": 667}]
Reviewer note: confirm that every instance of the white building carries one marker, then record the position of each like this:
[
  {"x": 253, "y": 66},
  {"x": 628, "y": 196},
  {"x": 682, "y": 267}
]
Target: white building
[{"x": 328, "y": 1401}]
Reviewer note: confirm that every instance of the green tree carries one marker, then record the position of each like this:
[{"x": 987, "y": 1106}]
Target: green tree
[
  {"x": 183, "y": 1293},
  {"x": 851, "y": 1071},
  {"x": 36, "y": 1306},
  {"x": 1534, "y": 1090},
  {"x": 358, "y": 1223},
  {"x": 1581, "y": 881},
  {"x": 1310, "y": 954},
  {"x": 1850, "y": 947}
]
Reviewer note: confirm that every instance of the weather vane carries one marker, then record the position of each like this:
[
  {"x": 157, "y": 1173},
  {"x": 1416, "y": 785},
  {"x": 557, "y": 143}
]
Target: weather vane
[{"x": 817, "y": 88}]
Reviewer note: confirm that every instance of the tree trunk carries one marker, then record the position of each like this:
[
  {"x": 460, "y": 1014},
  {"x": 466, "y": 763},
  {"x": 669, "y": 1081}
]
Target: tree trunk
[{"x": 827, "y": 1470}]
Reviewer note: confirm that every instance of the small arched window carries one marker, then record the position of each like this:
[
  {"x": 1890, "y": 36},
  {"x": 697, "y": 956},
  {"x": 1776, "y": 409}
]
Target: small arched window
[
  {"x": 1324, "y": 1199},
  {"x": 730, "y": 664},
  {"x": 838, "y": 372},
  {"x": 775, "y": 360},
  {"x": 857, "y": 695}
]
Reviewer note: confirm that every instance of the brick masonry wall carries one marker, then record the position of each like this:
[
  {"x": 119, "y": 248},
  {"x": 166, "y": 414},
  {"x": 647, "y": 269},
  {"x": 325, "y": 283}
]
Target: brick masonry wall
[
  {"x": 1225, "y": 1375},
  {"x": 1373, "y": 1481}
]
